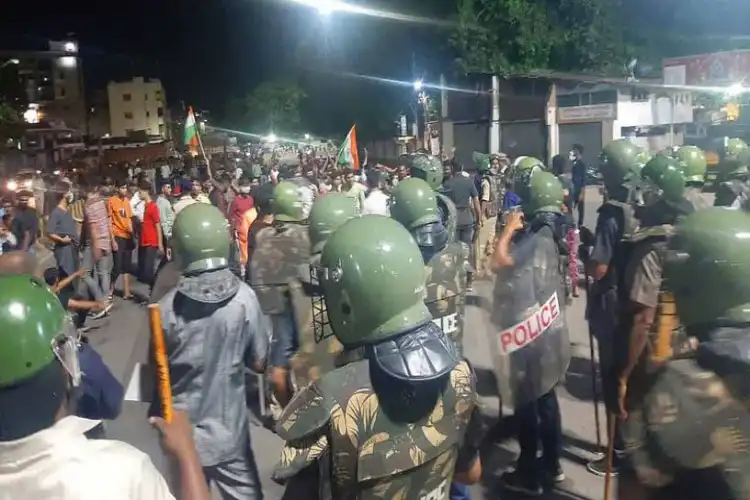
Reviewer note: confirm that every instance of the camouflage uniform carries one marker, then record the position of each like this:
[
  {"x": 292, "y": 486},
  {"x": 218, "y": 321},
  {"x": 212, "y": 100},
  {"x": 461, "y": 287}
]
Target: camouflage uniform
[
  {"x": 688, "y": 424},
  {"x": 387, "y": 423},
  {"x": 415, "y": 206}
]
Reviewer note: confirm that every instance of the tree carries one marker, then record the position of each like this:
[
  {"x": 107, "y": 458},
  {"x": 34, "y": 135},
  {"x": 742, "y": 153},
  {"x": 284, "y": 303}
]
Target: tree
[
  {"x": 272, "y": 105},
  {"x": 518, "y": 36}
]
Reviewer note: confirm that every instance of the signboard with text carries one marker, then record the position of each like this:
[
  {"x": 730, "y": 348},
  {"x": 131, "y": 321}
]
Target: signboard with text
[{"x": 719, "y": 68}]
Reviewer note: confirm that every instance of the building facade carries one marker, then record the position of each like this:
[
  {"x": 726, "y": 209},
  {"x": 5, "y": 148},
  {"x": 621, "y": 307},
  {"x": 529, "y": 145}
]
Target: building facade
[
  {"x": 137, "y": 106},
  {"x": 53, "y": 84}
]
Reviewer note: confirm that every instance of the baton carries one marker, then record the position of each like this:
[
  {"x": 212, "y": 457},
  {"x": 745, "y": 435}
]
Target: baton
[
  {"x": 610, "y": 451},
  {"x": 594, "y": 391},
  {"x": 160, "y": 360}
]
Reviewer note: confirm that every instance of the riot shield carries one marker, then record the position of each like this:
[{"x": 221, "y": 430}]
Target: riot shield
[
  {"x": 446, "y": 290},
  {"x": 448, "y": 214},
  {"x": 318, "y": 347},
  {"x": 525, "y": 321},
  {"x": 279, "y": 252}
]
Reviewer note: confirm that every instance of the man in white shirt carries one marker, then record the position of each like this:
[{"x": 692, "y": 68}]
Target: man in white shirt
[
  {"x": 44, "y": 453},
  {"x": 136, "y": 203},
  {"x": 355, "y": 190},
  {"x": 376, "y": 201}
]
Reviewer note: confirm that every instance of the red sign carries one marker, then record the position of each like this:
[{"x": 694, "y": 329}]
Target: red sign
[
  {"x": 719, "y": 68},
  {"x": 524, "y": 333}
]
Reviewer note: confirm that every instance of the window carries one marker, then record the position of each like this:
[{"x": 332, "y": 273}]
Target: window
[
  {"x": 128, "y": 115},
  {"x": 160, "y": 112},
  {"x": 145, "y": 97},
  {"x": 128, "y": 131},
  {"x": 62, "y": 92},
  {"x": 604, "y": 97},
  {"x": 568, "y": 100},
  {"x": 148, "y": 114},
  {"x": 127, "y": 97}
]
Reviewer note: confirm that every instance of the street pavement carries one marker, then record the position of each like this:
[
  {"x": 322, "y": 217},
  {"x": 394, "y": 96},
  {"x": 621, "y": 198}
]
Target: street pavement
[{"x": 122, "y": 340}]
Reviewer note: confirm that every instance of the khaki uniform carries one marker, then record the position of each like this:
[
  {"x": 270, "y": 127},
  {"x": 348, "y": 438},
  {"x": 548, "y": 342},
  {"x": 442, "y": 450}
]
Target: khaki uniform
[{"x": 486, "y": 238}]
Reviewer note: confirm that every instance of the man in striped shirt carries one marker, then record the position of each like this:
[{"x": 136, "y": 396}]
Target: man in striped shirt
[{"x": 96, "y": 237}]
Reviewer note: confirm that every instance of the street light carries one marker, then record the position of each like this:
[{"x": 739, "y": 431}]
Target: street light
[
  {"x": 307, "y": 137},
  {"x": 418, "y": 85},
  {"x": 10, "y": 61},
  {"x": 325, "y": 7},
  {"x": 734, "y": 90},
  {"x": 271, "y": 138}
]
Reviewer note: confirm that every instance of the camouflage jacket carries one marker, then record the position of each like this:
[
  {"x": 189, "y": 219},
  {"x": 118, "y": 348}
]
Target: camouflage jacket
[
  {"x": 279, "y": 252},
  {"x": 688, "y": 418},
  {"x": 733, "y": 193},
  {"x": 368, "y": 446},
  {"x": 446, "y": 291}
]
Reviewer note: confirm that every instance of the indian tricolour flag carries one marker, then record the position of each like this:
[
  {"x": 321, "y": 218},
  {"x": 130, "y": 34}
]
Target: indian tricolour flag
[
  {"x": 191, "y": 133},
  {"x": 348, "y": 154}
]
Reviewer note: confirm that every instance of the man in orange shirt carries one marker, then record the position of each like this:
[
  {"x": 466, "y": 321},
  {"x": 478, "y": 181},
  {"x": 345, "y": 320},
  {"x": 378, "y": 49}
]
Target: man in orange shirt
[{"x": 123, "y": 244}]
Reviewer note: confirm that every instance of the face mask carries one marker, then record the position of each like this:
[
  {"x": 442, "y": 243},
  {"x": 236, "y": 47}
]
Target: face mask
[
  {"x": 70, "y": 197},
  {"x": 245, "y": 190},
  {"x": 572, "y": 156}
]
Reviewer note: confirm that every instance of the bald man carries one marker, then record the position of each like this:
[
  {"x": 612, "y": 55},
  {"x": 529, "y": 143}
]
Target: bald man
[{"x": 19, "y": 262}]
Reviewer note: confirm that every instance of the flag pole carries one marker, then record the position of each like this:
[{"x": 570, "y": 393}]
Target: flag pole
[{"x": 203, "y": 152}]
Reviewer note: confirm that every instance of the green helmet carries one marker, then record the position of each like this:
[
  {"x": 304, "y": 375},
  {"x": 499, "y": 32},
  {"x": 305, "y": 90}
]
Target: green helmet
[
  {"x": 664, "y": 175},
  {"x": 692, "y": 161},
  {"x": 373, "y": 276},
  {"x": 736, "y": 158},
  {"x": 524, "y": 168},
  {"x": 287, "y": 202},
  {"x": 708, "y": 269},
  {"x": 643, "y": 156},
  {"x": 620, "y": 163},
  {"x": 200, "y": 238},
  {"x": 31, "y": 319},
  {"x": 413, "y": 204},
  {"x": 328, "y": 213},
  {"x": 545, "y": 194},
  {"x": 427, "y": 168},
  {"x": 482, "y": 161}
]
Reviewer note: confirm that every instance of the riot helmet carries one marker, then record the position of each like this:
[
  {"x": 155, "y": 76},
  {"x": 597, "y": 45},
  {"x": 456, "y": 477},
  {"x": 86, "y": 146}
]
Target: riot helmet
[
  {"x": 524, "y": 168},
  {"x": 482, "y": 162},
  {"x": 736, "y": 158},
  {"x": 619, "y": 166},
  {"x": 708, "y": 267},
  {"x": 427, "y": 168},
  {"x": 288, "y": 203},
  {"x": 662, "y": 179},
  {"x": 545, "y": 194},
  {"x": 693, "y": 163},
  {"x": 328, "y": 213},
  {"x": 200, "y": 239},
  {"x": 39, "y": 366},
  {"x": 415, "y": 206}
]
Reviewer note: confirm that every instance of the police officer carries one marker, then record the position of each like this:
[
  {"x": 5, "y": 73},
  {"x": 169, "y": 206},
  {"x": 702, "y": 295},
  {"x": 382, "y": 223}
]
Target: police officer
[
  {"x": 733, "y": 191},
  {"x": 620, "y": 165},
  {"x": 40, "y": 381},
  {"x": 692, "y": 161},
  {"x": 278, "y": 253},
  {"x": 528, "y": 256},
  {"x": 415, "y": 207},
  {"x": 491, "y": 192},
  {"x": 642, "y": 282},
  {"x": 318, "y": 346},
  {"x": 388, "y": 407},
  {"x": 687, "y": 426},
  {"x": 211, "y": 321}
]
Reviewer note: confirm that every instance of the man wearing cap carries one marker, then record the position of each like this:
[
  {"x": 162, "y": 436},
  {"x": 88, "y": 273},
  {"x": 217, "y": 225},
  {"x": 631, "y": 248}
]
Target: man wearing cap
[{"x": 212, "y": 324}]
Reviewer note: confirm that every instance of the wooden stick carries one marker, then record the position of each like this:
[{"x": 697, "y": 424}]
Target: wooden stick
[
  {"x": 160, "y": 360},
  {"x": 610, "y": 452}
]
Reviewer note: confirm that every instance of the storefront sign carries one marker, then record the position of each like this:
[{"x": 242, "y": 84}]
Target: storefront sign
[{"x": 582, "y": 114}]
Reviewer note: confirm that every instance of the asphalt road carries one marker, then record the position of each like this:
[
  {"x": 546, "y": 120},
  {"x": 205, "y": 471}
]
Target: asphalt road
[{"x": 122, "y": 340}]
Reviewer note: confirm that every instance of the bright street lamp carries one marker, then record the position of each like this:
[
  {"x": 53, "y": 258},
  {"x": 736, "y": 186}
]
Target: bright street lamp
[
  {"x": 734, "y": 90},
  {"x": 271, "y": 137},
  {"x": 307, "y": 137},
  {"x": 418, "y": 85},
  {"x": 10, "y": 61},
  {"x": 325, "y": 7}
]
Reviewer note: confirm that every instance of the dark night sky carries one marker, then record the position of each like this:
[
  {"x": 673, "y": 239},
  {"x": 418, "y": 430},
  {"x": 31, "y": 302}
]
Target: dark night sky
[{"x": 205, "y": 51}]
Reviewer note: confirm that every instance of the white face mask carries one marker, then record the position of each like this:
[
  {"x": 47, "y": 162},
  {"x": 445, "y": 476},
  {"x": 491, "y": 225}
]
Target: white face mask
[
  {"x": 572, "y": 156},
  {"x": 245, "y": 190},
  {"x": 70, "y": 197}
]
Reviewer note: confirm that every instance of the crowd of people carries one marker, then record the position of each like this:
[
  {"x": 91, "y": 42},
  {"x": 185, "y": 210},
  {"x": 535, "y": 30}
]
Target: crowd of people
[{"x": 351, "y": 297}]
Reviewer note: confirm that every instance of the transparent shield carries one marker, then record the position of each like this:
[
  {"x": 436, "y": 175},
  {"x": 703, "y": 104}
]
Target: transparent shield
[
  {"x": 525, "y": 321},
  {"x": 66, "y": 347}
]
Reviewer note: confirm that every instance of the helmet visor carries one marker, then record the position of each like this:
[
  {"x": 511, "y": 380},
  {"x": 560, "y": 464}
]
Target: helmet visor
[{"x": 66, "y": 346}]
